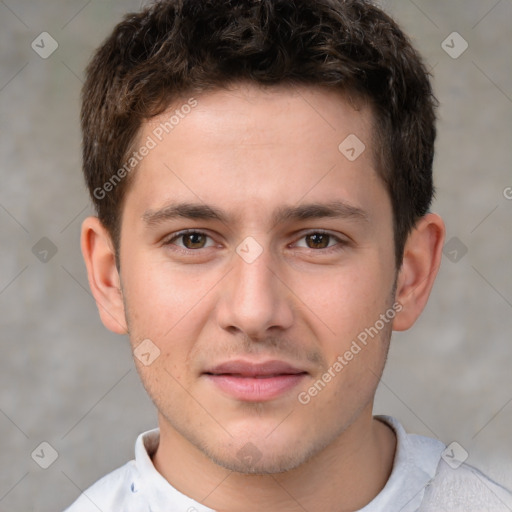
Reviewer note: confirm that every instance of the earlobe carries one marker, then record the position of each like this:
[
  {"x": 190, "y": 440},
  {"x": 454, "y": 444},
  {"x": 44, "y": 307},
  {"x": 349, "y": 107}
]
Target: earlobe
[
  {"x": 104, "y": 281},
  {"x": 421, "y": 261}
]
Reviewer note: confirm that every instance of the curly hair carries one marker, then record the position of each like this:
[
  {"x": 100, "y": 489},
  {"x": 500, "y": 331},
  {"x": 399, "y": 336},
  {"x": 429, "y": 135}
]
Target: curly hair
[{"x": 176, "y": 47}]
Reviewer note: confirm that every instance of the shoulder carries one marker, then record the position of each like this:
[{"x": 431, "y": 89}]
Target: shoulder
[
  {"x": 422, "y": 479},
  {"x": 110, "y": 493},
  {"x": 464, "y": 488}
]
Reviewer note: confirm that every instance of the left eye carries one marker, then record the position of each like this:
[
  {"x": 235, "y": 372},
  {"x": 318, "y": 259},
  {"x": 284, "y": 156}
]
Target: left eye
[{"x": 319, "y": 240}]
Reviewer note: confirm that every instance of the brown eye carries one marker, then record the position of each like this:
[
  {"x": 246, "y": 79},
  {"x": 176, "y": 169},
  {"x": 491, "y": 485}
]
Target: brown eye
[
  {"x": 194, "y": 240},
  {"x": 190, "y": 240},
  {"x": 321, "y": 242},
  {"x": 317, "y": 240}
]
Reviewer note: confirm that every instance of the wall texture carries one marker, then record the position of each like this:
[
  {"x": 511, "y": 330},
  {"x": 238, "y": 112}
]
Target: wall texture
[{"x": 66, "y": 381}]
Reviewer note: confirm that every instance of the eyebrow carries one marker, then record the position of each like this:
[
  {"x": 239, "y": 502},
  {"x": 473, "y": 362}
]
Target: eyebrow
[{"x": 198, "y": 211}]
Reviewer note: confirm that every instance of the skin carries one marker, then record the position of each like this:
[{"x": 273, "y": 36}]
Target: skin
[{"x": 250, "y": 151}]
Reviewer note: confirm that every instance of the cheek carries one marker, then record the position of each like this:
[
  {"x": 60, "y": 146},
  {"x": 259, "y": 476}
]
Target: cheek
[
  {"x": 161, "y": 298},
  {"x": 344, "y": 301}
]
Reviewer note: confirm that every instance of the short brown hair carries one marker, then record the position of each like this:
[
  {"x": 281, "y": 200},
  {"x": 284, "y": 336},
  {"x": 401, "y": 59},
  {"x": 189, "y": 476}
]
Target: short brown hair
[{"x": 178, "y": 47}]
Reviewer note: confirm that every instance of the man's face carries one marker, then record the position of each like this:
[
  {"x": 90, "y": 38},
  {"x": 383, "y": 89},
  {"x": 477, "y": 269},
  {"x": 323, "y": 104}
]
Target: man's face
[{"x": 265, "y": 283}]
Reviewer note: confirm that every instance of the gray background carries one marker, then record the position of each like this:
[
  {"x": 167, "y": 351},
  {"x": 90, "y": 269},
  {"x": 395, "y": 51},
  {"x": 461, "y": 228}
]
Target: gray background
[{"x": 65, "y": 380}]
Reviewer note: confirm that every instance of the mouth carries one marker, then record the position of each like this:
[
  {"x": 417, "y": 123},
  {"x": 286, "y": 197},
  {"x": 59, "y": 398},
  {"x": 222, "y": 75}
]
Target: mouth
[{"x": 255, "y": 382}]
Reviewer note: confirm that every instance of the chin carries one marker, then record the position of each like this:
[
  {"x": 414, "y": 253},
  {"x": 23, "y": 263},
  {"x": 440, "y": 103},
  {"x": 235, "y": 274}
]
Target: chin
[
  {"x": 256, "y": 455},
  {"x": 258, "y": 464}
]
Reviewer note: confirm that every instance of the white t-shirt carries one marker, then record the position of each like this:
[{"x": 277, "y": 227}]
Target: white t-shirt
[{"x": 426, "y": 477}]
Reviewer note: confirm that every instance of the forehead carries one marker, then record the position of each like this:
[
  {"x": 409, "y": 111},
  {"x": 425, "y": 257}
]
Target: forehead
[
  {"x": 251, "y": 146},
  {"x": 254, "y": 110}
]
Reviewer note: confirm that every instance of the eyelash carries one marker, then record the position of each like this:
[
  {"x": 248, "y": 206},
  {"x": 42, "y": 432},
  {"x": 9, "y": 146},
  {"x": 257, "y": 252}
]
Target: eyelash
[{"x": 338, "y": 246}]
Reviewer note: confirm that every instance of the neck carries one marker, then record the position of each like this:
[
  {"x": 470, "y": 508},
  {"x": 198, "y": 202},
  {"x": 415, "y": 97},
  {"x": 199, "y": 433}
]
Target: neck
[{"x": 344, "y": 476}]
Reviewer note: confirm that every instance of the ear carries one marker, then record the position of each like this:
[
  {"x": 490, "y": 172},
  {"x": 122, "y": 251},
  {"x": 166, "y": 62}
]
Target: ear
[
  {"x": 104, "y": 281},
  {"x": 421, "y": 261}
]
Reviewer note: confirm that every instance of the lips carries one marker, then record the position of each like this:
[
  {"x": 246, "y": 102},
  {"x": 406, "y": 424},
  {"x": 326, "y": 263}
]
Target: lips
[
  {"x": 255, "y": 382},
  {"x": 255, "y": 370}
]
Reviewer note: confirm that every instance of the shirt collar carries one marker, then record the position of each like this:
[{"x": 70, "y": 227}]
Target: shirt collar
[{"x": 415, "y": 463}]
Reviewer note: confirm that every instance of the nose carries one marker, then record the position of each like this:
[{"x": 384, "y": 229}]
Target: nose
[{"x": 255, "y": 299}]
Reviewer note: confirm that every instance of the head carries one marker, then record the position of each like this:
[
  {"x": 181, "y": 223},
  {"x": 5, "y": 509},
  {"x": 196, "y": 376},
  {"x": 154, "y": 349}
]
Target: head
[
  {"x": 178, "y": 49},
  {"x": 294, "y": 141}
]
